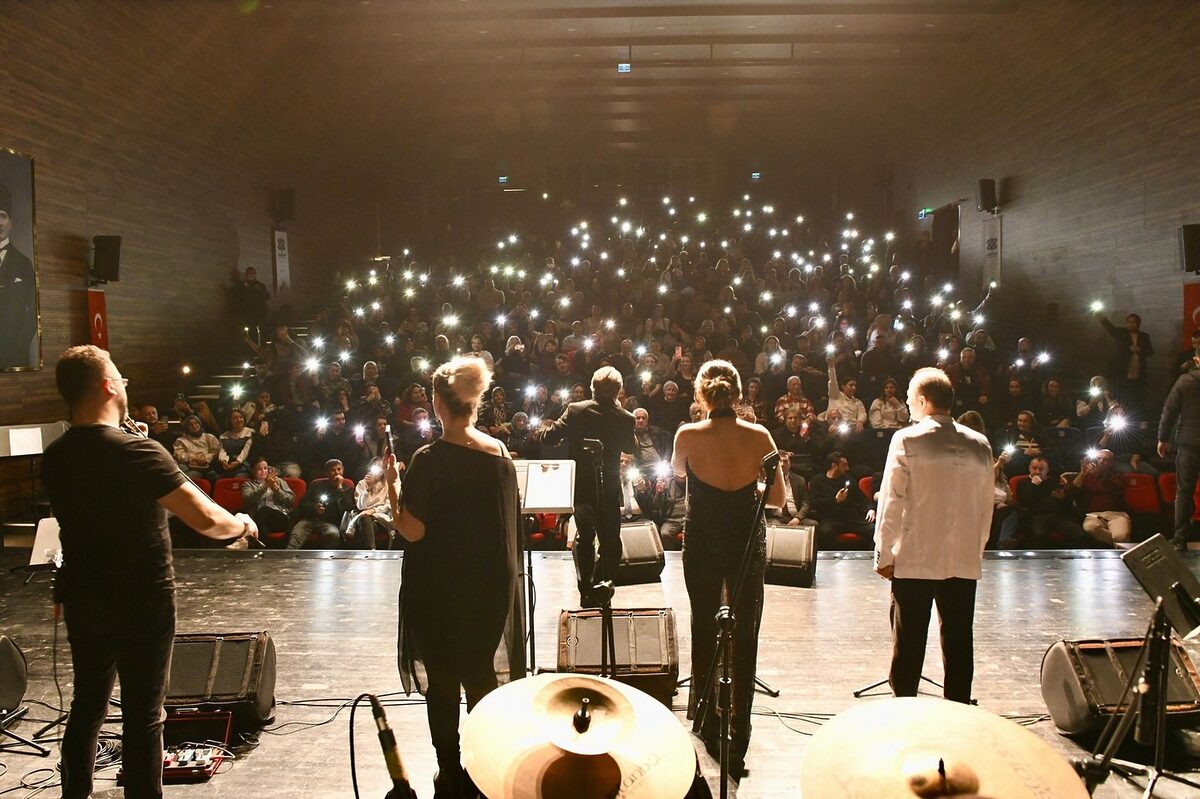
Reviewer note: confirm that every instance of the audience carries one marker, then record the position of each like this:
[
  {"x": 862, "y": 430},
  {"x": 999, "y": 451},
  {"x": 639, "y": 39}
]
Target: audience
[
  {"x": 267, "y": 498},
  {"x": 549, "y": 307},
  {"x": 196, "y": 451},
  {"x": 320, "y": 513}
]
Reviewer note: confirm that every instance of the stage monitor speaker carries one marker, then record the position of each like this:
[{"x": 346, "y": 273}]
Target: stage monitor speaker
[
  {"x": 647, "y": 650},
  {"x": 106, "y": 262},
  {"x": 642, "y": 557},
  {"x": 792, "y": 555},
  {"x": 224, "y": 671},
  {"x": 987, "y": 196},
  {"x": 1082, "y": 683},
  {"x": 285, "y": 205},
  {"x": 14, "y": 675},
  {"x": 1189, "y": 247}
]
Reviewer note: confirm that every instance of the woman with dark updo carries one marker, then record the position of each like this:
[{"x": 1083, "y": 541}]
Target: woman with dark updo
[{"x": 720, "y": 458}]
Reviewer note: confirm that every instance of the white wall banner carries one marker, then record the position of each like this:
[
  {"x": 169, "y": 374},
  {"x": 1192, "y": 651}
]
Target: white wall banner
[
  {"x": 992, "y": 241},
  {"x": 283, "y": 272}
]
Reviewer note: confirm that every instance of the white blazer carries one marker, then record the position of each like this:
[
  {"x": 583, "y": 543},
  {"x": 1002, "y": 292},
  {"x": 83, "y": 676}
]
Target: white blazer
[{"x": 935, "y": 503}]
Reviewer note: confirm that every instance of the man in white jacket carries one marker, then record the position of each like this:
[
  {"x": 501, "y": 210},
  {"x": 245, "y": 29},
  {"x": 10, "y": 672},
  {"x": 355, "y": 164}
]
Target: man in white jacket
[{"x": 935, "y": 512}]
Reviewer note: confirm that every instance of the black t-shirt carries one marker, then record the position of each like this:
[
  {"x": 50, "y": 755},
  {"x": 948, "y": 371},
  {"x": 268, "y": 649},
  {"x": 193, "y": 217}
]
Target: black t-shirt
[{"x": 104, "y": 485}]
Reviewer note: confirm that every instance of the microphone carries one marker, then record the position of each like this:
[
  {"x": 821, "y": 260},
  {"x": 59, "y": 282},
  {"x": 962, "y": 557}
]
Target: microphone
[
  {"x": 593, "y": 445},
  {"x": 770, "y": 466},
  {"x": 391, "y": 755}
]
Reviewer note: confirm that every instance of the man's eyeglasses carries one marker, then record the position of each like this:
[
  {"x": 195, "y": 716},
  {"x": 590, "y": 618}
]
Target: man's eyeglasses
[{"x": 124, "y": 380}]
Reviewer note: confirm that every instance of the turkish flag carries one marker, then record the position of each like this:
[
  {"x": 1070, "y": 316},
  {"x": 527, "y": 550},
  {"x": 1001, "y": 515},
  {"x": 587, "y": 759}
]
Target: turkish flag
[{"x": 97, "y": 319}]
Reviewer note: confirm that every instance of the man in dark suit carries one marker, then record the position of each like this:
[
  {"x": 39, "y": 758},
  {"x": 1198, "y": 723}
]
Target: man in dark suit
[
  {"x": 1180, "y": 425},
  {"x": 603, "y": 419},
  {"x": 18, "y": 295}
]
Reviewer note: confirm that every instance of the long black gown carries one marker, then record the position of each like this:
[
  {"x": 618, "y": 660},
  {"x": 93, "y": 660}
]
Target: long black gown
[
  {"x": 715, "y": 535},
  {"x": 461, "y": 605}
]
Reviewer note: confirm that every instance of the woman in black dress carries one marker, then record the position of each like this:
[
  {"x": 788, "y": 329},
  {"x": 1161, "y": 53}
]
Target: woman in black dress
[
  {"x": 460, "y": 602},
  {"x": 721, "y": 457}
]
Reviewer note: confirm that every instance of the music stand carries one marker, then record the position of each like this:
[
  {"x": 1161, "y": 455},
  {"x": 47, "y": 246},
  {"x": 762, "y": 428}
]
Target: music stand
[
  {"x": 1162, "y": 573},
  {"x": 544, "y": 486}
]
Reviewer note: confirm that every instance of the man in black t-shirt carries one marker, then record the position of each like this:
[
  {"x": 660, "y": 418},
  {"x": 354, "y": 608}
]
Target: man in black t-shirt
[{"x": 111, "y": 491}]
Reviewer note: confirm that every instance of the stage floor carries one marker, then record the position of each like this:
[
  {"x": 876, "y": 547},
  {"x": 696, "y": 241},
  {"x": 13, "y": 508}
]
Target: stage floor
[{"x": 333, "y": 618}]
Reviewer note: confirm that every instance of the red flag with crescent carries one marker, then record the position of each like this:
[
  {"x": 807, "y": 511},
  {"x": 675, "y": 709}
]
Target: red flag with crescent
[{"x": 97, "y": 319}]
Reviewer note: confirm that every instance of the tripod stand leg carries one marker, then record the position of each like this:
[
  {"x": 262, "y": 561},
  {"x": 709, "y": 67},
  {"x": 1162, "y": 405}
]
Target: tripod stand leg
[
  {"x": 10, "y": 718},
  {"x": 766, "y": 687},
  {"x": 866, "y": 689}
]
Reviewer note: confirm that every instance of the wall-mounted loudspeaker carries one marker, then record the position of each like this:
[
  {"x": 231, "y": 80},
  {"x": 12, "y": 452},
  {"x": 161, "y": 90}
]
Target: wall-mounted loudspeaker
[
  {"x": 1189, "y": 247},
  {"x": 285, "y": 205},
  {"x": 106, "y": 262},
  {"x": 987, "y": 196}
]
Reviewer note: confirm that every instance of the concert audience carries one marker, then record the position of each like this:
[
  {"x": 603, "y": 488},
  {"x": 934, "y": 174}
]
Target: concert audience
[
  {"x": 235, "y": 447},
  {"x": 196, "y": 451},
  {"x": 373, "y": 513},
  {"x": 553, "y": 307},
  {"x": 320, "y": 512},
  {"x": 837, "y": 504},
  {"x": 1101, "y": 494},
  {"x": 1047, "y": 509},
  {"x": 267, "y": 498}
]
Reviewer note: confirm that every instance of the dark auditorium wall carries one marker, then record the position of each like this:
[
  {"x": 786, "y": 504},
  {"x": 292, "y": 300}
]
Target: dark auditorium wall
[
  {"x": 141, "y": 120},
  {"x": 1086, "y": 114}
]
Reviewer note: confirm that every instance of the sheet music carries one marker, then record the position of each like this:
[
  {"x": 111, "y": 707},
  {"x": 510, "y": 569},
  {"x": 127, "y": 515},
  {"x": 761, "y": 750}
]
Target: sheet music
[
  {"x": 24, "y": 441},
  {"x": 546, "y": 486},
  {"x": 47, "y": 549}
]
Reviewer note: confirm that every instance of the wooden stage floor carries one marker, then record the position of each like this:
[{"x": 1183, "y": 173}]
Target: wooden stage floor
[{"x": 333, "y": 618}]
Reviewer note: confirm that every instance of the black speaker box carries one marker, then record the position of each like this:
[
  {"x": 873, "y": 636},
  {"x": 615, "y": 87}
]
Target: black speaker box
[
  {"x": 987, "y": 196},
  {"x": 647, "y": 650},
  {"x": 224, "y": 671},
  {"x": 106, "y": 263},
  {"x": 1082, "y": 683},
  {"x": 791, "y": 555},
  {"x": 1189, "y": 247},
  {"x": 285, "y": 205},
  {"x": 14, "y": 675},
  {"x": 642, "y": 557}
]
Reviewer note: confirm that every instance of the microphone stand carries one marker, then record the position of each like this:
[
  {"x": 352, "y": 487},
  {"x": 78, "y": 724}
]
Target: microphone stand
[{"x": 726, "y": 623}]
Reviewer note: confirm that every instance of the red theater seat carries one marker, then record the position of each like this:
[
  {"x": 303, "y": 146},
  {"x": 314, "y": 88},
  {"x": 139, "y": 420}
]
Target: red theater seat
[
  {"x": 1015, "y": 481},
  {"x": 1141, "y": 496},
  {"x": 228, "y": 493},
  {"x": 1167, "y": 486},
  {"x": 203, "y": 485},
  {"x": 299, "y": 488},
  {"x": 864, "y": 485}
]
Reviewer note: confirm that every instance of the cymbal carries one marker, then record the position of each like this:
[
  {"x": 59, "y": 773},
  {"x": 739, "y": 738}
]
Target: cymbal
[
  {"x": 893, "y": 748},
  {"x": 527, "y": 740}
]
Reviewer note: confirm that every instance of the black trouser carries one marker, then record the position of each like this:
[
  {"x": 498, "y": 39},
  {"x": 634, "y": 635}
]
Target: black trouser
[
  {"x": 478, "y": 678},
  {"x": 270, "y": 520},
  {"x": 1187, "y": 472},
  {"x": 912, "y": 601},
  {"x": 133, "y": 643},
  {"x": 706, "y": 575},
  {"x": 591, "y": 521}
]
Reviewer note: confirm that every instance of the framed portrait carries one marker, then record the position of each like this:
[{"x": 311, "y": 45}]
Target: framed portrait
[{"x": 20, "y": 321}]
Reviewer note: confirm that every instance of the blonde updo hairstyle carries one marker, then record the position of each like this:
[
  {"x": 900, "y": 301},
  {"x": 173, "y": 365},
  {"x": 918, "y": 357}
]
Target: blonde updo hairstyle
[
  {"x": 460, "y": 383},
  {"x": 718, "y": 386}
]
